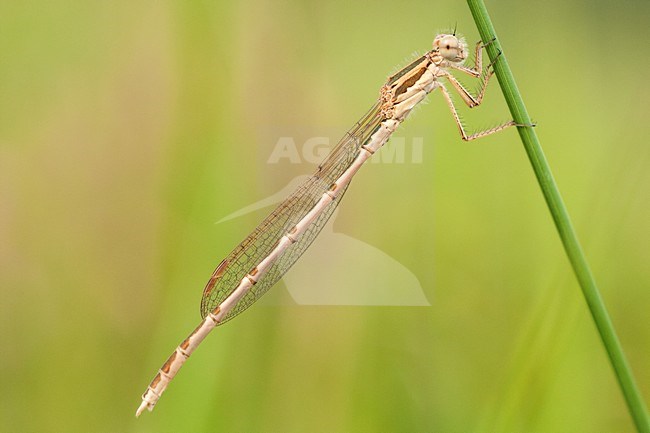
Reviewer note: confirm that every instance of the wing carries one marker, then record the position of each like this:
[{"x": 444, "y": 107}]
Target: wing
[{"x": 252, "y": 250}]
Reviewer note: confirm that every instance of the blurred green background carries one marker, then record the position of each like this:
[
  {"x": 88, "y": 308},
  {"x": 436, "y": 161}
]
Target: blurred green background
[{"x": 128, "y": 128}]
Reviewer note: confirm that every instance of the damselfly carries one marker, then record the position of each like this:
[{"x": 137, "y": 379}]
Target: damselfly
[{"x": 261, "y": 259}]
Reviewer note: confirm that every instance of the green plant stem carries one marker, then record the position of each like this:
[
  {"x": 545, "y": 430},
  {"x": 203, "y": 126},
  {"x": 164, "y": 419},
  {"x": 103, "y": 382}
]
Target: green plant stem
[{"x": 553, "y": 199}]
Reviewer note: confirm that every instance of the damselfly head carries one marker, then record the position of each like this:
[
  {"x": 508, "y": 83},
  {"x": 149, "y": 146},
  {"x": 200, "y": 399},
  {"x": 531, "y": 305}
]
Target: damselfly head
[{"x": 451, "y": 47}]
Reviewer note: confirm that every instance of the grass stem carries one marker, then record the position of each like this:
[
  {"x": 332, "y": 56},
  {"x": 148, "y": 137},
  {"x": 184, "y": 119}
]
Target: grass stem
[{"x": 635, "y": 402}]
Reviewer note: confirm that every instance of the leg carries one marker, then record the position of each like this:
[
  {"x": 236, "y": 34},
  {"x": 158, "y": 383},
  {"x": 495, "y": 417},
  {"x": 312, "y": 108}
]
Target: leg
[
  {"x": 475, "y": 72},
  {"x": 468, "y": 98},
  {"x": 476, "y": 135},
  {"x": 478, "y": 61}
]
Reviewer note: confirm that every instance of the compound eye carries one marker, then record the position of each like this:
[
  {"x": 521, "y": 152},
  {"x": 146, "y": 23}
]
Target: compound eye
[
  {"x": 448, "y": 47},
  {"x": 450, "y": 42}
]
